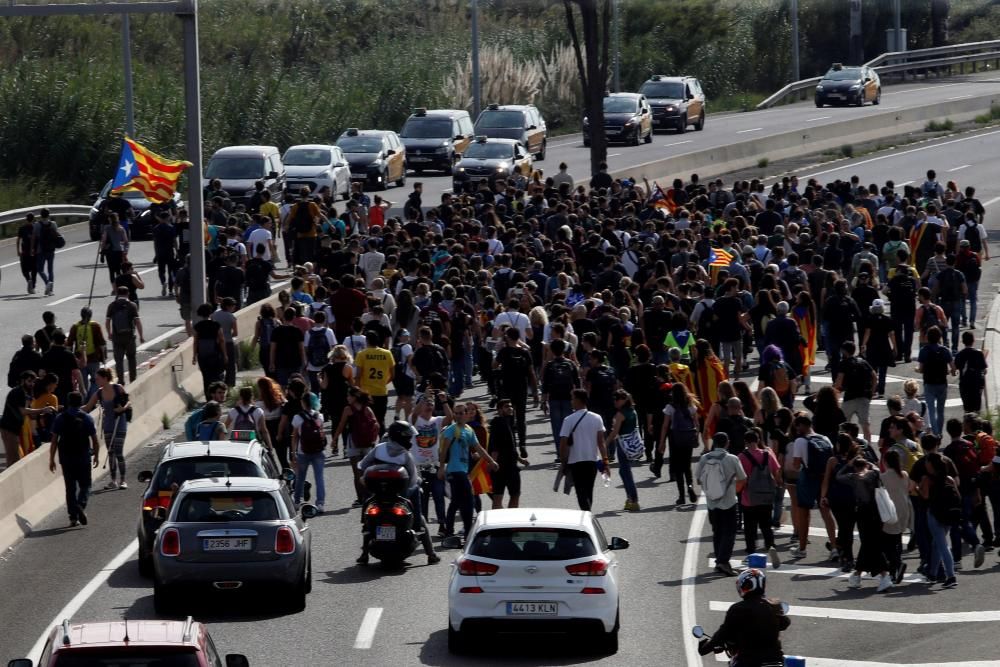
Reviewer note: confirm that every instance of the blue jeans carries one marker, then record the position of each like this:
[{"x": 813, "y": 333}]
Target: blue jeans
[
  {"x": 461, "y": 501},
  {"x": 953, "y": 311},
  {"x": 921, "y": 533},
  {"x": 935, "y": 394},
  {"x": 940, "y": 555},
  {"x": 625, "y": 470},
  {"x": 779, "y": 505},
  {"x": 965, "y": 529},
  {"x": 457, "y": 374},
  {"x": 46, "y": 258},
  {"x": 973, "y": 301},
  {"x": 437, "y": 493},
  {"x": 303, "y": 462},
  {"x": 558, "y": 411},
  {"x": 77, "y": 480}
]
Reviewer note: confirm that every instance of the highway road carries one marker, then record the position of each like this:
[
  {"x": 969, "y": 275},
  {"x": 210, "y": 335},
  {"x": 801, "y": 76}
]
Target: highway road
[{"x": 90, "y": 574}]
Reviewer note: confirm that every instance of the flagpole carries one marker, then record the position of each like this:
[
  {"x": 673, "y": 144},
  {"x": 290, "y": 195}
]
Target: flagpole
[{"x": 195, "y": 201}]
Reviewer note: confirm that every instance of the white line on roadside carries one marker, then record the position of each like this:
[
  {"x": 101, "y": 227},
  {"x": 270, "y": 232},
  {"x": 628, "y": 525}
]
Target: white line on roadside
[
  {"x": 366, "y": 633},
  {"x": 991, "y": 201},
  {"x": 688, "y": 575},
  {"x": 827, "y": 572},
  {"x": 838, "y": 662},
  {"x": 152, "y": 268},
  {"x": 809, "y": 120},
  {"x": 74, "y": 605},
  {"x": 870, "y": 615},
  {"x": 914, "y": 90},
  {"x": 912, "y": 150},
  {"x": 677, "y": 143},
  {"x": 959, "y": 97},
  {"x": 959, "y": 168},
  {"x": 64, "y": 299},
  {"x": 752, "y": 129},
  {"x": 899, "y": 185},
  {"x": 613, "y": 154},
  {"x": 76, "y": 247}
]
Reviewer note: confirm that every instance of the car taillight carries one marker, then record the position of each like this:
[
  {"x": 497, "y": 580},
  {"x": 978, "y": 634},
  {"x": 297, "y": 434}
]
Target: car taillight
[
  {"x": 170, "y": 545},
  {"x": 470, "y": 589},
  {"x": 475, "y": 568},
  {"x": 399, "y": 511},
  {"x": 373, "y": 510},
  {"x": 592, "y": 568},
  {"x": 284, "y": 542},
  {"x": 151, "y": 503},
  {"x": 592, "y": 591}
]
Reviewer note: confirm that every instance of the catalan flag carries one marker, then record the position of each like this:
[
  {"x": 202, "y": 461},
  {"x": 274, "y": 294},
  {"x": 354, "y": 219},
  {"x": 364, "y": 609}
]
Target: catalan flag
[
  {"x": 141, "y": 169},
  {"x": 718, "y": 259},
  {"x": 708, "y": 373},
  {"x": 660, "y": 200},
  {"x": 807, "y": 328},
  {"x": 482, "y": 481}
]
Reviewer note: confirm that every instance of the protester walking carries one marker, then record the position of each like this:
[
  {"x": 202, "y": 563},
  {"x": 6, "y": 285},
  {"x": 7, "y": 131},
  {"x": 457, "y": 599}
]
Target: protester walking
[
  {"x": 74, "y": 439},
  {"x": 721, "y": 477},
  {"x": 116, "y": 412}
]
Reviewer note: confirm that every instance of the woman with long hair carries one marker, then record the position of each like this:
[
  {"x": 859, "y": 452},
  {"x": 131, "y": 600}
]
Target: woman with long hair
[
  {"x": 335, "y": 381},
  {"x": 939, "y": 489},
  {"x": 625, "y": 425},
  {"x": 640, "y": 382},
  {"x": 114, "y": 423},
  {"x": 723, "y": 392},
  {"x": 827, "y": 414},
  {"x": 539, "y": 321},
  {"x": 356, "y": 413},
  {"x": 680, "y": 424},
  {"x": 267, "y": 322},
  {"x": 804, "y": 314},
  {"x": 114, "y": 246},
  {"x": 864, "y": 479},
  {"x": 271, "y": 400},
  {"x": 897, "y": 482},
  {"x": 878, "y": 343},
  {"x": 709, "y": 373},
  {"x": 743, "y": 392},
  {"x": 838, "y": 495},
  {"x": 777, "y": 375},
  {"x": 407, "y": 313}
]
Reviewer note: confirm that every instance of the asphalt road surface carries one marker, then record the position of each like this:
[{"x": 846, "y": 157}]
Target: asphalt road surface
[{"x": 667, "y": 581}]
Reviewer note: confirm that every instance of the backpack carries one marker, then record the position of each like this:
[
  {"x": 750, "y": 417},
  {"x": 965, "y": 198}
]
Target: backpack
[
  {"x": 562, "y": 377},
  {"x": 950, "y": 284},
  {"x": 971, "y": 268},
  {"x": 713, "y": 479},
  {"x": 706, "y": 322},
  {"x": 907, "y": 455},
  {"x": 760, "y": 483},
  {"x": 972, "y": 235},
  {"x": 946, "y": 501},
  {"x": 603, "y": 385},
  {"x": 820, "y": 450},
  {"x": 312, "y": 440},
  {"x": 50, "y": 237},
  {"x": 364, "y": 428},
  {"x": 929, "y": 318},
  {"x": 795, "y": 279},
  {"x": 245, "y": 419},
  {"x": 517, "y": 363},
  {"x": 780, "y": 381},
  {"x": 683, "y": 432},
  {"x": 986, "y": 447},
  {"x": 318, "y": 349},
  {"x": 206, "y": 430},
  {"x": 397, "y": 354},
  {"x": 191, "y": 424},
  {"x": 966, "y": 460},
  {"x": 258, "y": 272},
  {"x": 122, "y": 320},
  {"x": 303, "y": 218}
]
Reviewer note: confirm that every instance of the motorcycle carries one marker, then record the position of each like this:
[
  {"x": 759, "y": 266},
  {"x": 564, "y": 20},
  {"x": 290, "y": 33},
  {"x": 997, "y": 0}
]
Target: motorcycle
[
  {"x": 734, "y": 661},
  {"x": 388, "y": 521}
]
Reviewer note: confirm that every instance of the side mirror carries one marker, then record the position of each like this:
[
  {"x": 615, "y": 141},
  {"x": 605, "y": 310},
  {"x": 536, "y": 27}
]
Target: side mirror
[
  {"x": 146, "y": 476},
  {"x": 532, "y": 127},
  {"x": 644, "y": 112},
  {"x": 309, "y": 511},
  {"x": 237, "y": 660},
  {"x": 618, "y": 543},
  {"x": 272, "y": 175},
  {"x": 690, "y": 96},
  {"x": 160, "y": 514},
  {"x": 20, "y": 662},
  {"x": 93, "y": 197},
  {"x": 391, "y": 151},
  {"x": 451, "y": 542},
  {"x": 288, "y": 475},
  {"x": 459, "y": 137},
  {"x": 340, "y": 164},
  {"x": 698, "y": 631}
]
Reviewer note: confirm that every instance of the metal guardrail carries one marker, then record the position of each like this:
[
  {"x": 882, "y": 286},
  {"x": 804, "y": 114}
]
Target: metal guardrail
[
  {"x": 9, "y": 220},
  {"x": 903, "y": 63}
]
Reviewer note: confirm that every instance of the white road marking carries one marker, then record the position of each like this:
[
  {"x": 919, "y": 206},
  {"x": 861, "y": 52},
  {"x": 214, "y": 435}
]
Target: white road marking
[
  {"x": 991, "y": 201},
  {"x": 64, "y": 300},
  {"x": 839, "y": 662},
  {"x": 613, "y": 154},
  {"x": 912, "y": 150},
  {"x": 752, "y": 129},
  {"x": 914, "y": 90},
  {"x": 809, "y": 120},
  {"x": 76, "y": 247},
  {"x": 959, "y": 97},
  {"x": 152, "y": 268},
  {"x": 828, "y": 571},
  {"x": 688, "y": 576},
  {"x": 959, "y": 168},
  {"x": 366, "y": 633},
  {"x": 870, "y": 615},
  {"x": 74, "y": 605},
  {"x": 899, "y": 185},
  {"x": 677, "y": 143}
]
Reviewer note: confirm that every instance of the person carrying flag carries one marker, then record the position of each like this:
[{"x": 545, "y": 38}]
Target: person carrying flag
[
  {"x": 458, "y": 440},
  {"x": 708, "y": 373}
]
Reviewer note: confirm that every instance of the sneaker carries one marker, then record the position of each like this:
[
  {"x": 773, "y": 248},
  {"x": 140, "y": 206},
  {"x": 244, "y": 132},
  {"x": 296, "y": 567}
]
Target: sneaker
[
  {"x": 31, "y": 289},
  {"x": 726, "y": 569},
  {"x": 82, "y": 516},
  {"x": 111, "y": 486},
  {"x": 73, "y": 523},
  {"x": 631, "y": 506},
  {"x": 692, "y": 496},
  {"x": 958, "y": 566},
  {"x": 884, "y": 583},
  {"x": 834, "y": 554},
  {"x": 362, "y": 559},
  {"x": 854, "y": 581},
  {"x": 900, "y": 573},
  {"x": 442, "y": 532},
  {"x": 848, "y": 566},
  {"x": 679, "y": 501},
  {"x": 123, "y": 485},
  {"x": 979, "y": 557},
  {"x": 49, "y": 288},
  {"x": 797, "y": 552},
  {"x": 433, "y": 558},
  {"x": 950, "y": 582},
  {"x": 163, "y": 290},
  {"x": 320, "y": 508},
  {"x": 772, "y": 553}
]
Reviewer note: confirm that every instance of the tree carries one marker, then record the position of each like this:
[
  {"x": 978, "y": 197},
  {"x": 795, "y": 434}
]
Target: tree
[{"x": 595, "y": 21}]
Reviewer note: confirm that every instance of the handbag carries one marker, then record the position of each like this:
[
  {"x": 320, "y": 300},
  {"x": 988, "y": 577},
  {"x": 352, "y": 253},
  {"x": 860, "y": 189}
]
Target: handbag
[
  {"x": 632, "y": 445},
  {"x": 886, "y": 508}
]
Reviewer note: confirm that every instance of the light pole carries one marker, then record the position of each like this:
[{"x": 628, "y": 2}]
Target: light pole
[
  {"x": 616, "y": 34},
  {"x": 476, "y": 102},
  {"x": 127, "y": 69},
  {"x": 795, "y": 40}
]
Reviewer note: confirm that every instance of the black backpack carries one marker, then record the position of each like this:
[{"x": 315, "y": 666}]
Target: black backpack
[
  {"x": 971, "y": 268},
  {"x": 706, "y": 322},
  {"x": 929, "y": 318},
  {"x": 972, "y": 235},
  {"x": 950, "y": 284},
  {"x": 258, "y": 272},
  {"x": 820, "y": 450},
  {"x": 562, "y": 377}
]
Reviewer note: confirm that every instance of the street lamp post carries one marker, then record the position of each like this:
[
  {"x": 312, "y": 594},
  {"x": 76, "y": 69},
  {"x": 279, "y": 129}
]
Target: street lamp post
[
  {"x": 127, "y": 70},
  {"x": 474, "y": 15},
  {"x": 795, "y": 40}
]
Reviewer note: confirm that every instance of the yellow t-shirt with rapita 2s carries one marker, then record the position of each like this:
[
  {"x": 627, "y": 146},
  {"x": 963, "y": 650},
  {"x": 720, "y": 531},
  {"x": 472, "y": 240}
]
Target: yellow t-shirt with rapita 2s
[{"x": 374, "y": 366}]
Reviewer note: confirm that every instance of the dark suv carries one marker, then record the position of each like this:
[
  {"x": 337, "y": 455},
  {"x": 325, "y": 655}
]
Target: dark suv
[
  {"x": 677, "y": 101},
  {"x": 521, "y": 122},
  {"x": 436, "y": 138}
]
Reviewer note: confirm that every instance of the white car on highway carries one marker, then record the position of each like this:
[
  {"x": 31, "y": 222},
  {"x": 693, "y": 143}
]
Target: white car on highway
[
  {"x": 318, "y": 166},
  {"x": 535, "y": 569}
]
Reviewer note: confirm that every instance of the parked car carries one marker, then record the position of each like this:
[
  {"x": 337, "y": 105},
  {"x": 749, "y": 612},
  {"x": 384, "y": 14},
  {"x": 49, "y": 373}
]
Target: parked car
[
  {"x": 536, "y": 569},
  {"x": 677, "y": 102},
  {"x": 230, "y": 534},
  {"x": 131, "y": 642},
  {"x": 376, "y": 157},
  {"x": 627, "y": 118},
  {"x": 239, "y": 167},
  {"x": 522, "y": 122},
  {"x": 140, "y": 225},
  {"x": 318, "y": 166},
  {"x": 436, "y": 138},
  {"x": 849, "y": 85}
]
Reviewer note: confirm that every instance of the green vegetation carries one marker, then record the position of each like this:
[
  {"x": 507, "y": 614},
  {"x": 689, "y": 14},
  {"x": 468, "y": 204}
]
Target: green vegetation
[
  {"x": 165, "y": 420},
  {"x": 986, "y": 118},
  {"x": 249, "y": 356},
  {"x": 847, "y": 150},
  {"x": 762, "y": 163},
  {"x": 945, "y": 125}
]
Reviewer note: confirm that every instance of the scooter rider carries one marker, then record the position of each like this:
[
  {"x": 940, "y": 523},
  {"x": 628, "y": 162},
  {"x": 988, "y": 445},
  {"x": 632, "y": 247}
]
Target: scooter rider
[
  {"x": 752, "y": 628},
  {"x": 396, "y": 450}
]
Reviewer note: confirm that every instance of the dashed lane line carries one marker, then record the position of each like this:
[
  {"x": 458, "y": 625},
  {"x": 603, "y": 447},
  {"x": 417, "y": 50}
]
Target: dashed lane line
[
  {"x": 871, "y": 615},
  {"x": 366, "y": 633}
]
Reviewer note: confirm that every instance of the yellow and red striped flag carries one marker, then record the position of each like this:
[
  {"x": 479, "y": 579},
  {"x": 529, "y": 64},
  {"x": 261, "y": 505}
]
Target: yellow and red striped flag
[
  {"x": 141, "y": 169},
  {"x": 482, "y": 481}
]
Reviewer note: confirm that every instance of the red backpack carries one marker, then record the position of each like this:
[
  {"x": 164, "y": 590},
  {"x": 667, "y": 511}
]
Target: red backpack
[
  {"x": 364, "y": 428},
  {"x": 966, "y": 460},
  {"x": 312, "y": 440},
  {"x": 986, "y": 447}
]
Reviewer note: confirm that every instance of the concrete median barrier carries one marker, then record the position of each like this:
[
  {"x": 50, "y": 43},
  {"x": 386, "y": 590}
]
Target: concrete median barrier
[
  {"x": 29, "y": 491},
  {"x": 744, "y": 154}
]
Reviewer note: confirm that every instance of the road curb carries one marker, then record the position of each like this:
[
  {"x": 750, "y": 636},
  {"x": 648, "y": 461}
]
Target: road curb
[{"x": 991, "y": 341}]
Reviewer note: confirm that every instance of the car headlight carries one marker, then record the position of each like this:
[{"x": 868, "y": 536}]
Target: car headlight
[
  {"x": 442, "y": 150},
  {"x": 670, "y": 107},
  {"x": 501, "y": 168},
  {"x": 323, "y": 174},
  {"x": 855, "y": 86},
  {"x": 379, "y": 162},
  {"x": 630, "y": 123},
  {"x": 819, "y": 88},
  {"x": 461, "y": 170}
]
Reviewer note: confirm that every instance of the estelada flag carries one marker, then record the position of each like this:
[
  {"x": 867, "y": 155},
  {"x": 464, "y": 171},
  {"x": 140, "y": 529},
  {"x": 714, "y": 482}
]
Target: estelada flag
[
  {"x": 482, "y": 481},
  {"x": 141, "y": 169},
  {"x": 708, "y": 374}
]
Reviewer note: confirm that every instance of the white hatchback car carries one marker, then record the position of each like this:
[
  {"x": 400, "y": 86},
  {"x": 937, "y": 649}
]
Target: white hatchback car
[
  {"x": 537, "y": 570},
  {"x": 318, "y": 166}
]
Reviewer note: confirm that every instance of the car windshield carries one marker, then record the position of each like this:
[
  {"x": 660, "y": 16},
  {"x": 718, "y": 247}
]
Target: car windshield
[
  {"x": 179, "y": 471},
  {"x": 307, "y": 157},
  {"x": 227, "y": 506},
  {"x": 532, "y": 544},
  {"x": 673, "y": 90},
  {"x": 427, "y": 128},
  {"x": 235, "y": 168},
  {"x": 851, "y": 74},
  {"x": 490, "y": 151},
  {"x": 619, "y": 105},
  {"x": 500, "y": 120},
  {"x": 129, "y": 656},
  {"x": 360, "y": 144}
]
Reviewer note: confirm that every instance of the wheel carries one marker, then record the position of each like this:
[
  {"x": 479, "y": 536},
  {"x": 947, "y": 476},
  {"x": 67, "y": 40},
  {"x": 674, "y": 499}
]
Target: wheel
[
  {"x": 682, "y": 125},
  {"x": 635, "y": 139},
  {"x": 402, "y": 178},
  {"x": 878, "y": 96},
  {"x": 164, "y": 601},
  {"x": 309, "y": 576},
  {"x": 607, "y": 643},
  {"x": 145, "y": 564},
  {"x": 458, "y": 642},
  {"x": 700, "y": 125},
  {"x": 95, "y": 234},
  {"x": 541, "y": 153},
  {"x": 861, "y": 99},
  {"x": 297, "y": 594},
  {"x": 417, "y": 171},
  {"x": 819, "y": 105},
  {"x": 649, "y": 136},
  {"x": 586, "y": 142}
]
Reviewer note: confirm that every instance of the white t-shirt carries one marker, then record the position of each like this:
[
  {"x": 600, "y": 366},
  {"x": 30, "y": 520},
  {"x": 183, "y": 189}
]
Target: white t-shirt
[
  {"x": 371, "y": 264},
  {"x": 269, "y": 414},
  {"x": 316, "y": 331},
  {"x": 517, "y": 320},
  {"x": 261, "y": 236},
  {"x": 405, "y": 352},
  {"x": 586, "y": 428},
  {"x": 253, "y": 413},
  {"x": 966, "y": 231},
  {"x": 297, "y": 420},
  {"x": 425, "y": 442}
]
